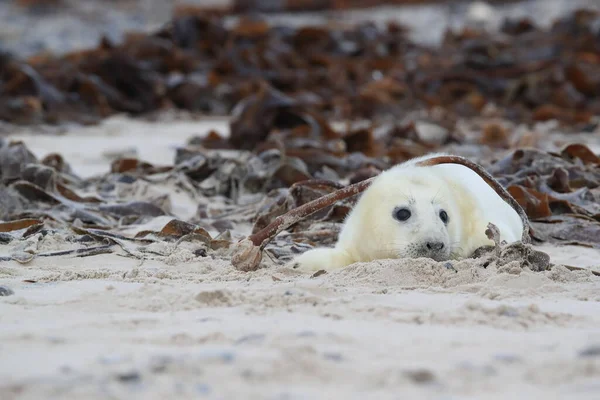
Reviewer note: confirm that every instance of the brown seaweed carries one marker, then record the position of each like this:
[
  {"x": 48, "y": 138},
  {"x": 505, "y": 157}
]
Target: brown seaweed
[{"x": 200, "y": 63}]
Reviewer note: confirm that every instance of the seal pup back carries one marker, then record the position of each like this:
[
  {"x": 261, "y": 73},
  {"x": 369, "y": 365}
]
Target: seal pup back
[{"x": 411, "y": 211}]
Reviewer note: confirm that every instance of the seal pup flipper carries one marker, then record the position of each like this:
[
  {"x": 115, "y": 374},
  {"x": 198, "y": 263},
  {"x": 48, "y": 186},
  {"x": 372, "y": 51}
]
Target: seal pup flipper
[{"x": 322, "y": 258}]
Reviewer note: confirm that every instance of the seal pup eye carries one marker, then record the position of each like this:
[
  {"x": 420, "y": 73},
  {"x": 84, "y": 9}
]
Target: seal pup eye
[
  {"x": 402, "y": 214},
  {"x": 444, "y": 216}
]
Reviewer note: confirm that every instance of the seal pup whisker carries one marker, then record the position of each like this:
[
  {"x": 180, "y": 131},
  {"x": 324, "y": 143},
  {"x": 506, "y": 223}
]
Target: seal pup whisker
[{"x": 434, "y": 199}]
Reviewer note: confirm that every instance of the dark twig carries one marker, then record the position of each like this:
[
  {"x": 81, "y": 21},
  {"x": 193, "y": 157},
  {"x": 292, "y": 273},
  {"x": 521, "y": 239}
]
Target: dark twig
[{"x": 262, "y": 237}]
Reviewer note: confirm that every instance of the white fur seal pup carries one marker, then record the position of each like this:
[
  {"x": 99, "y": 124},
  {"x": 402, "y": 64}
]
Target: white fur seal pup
[{"x": 411, "y": 211}]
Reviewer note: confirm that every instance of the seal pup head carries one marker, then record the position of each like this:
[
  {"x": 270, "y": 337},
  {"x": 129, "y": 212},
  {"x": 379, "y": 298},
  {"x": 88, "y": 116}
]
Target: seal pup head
[{"x": 407, "y": 212}]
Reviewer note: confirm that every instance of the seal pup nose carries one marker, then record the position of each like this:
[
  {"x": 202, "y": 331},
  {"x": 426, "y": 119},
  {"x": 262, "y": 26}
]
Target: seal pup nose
[
  {"x": 434, "y": 249},
  {"x": 435, "y": 246}
]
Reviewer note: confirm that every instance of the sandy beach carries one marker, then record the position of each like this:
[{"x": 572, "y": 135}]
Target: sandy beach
[{"x": 169, "y": 324}]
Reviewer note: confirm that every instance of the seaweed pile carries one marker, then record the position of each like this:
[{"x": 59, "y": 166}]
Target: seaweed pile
[
  {"x": 298, "y": 100},
  {"x": 245, "y": 192},
  {"x": 241, "y": 6},
  {"x": 198, "y": 62}
]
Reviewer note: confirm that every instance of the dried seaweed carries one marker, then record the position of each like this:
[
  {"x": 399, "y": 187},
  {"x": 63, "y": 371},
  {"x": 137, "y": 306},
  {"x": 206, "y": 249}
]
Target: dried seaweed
[{"x": 263, "y": 73}]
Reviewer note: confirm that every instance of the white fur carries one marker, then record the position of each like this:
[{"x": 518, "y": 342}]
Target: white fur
[{"x": 371, "y": 232}]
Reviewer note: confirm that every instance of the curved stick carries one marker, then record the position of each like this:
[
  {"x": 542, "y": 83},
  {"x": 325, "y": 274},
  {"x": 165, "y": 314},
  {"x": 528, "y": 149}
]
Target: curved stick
[
  {"x": 262, "y": 237},
  {"x": 248, "y": 252}
]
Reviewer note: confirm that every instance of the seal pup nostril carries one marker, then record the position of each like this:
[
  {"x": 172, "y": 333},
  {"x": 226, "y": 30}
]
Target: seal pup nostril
[{"x": 435, "y": 245}]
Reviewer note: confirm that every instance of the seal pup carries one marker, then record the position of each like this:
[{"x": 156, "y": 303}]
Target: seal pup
[{"x": 411, "y": 211}]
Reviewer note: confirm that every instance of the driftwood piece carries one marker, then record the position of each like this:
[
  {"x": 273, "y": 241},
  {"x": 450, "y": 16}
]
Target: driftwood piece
[{"x": 248, "y": 252}]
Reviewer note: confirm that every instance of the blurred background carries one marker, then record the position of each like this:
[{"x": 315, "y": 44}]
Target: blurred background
[{"x": 28, "y": 27}]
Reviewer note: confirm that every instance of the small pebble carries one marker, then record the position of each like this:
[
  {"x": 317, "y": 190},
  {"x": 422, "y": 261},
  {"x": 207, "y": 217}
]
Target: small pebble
[
  {"x": 592, "y": 351},
  {"x": 507, "y": 358},
  {"x": 159, "y": 363},
  {"x": 113, "y": 359},
  {"x": 65, "y": 369},
  {"x": 203, "y": 388},
  {"x": 6, "y": 291},
  {"x": 307, "y": 334},
  {"x": 333, "y": 356},
  {"x": 508, "y": 311},
  {"x": 420, "y": 376},
  {"x": 55, "y": 340},
  {"x": 179, "y": 388},
  {"x": 129, "y": 377},
  {"x": 254, "y": 338},
  {"x": 318, "y": 273},
  {"x": 217, "y": 355},
  {"x": 200, "y": 252},
  {"x": 207, "y": 319},
  {"x": 484, "y": 370}
]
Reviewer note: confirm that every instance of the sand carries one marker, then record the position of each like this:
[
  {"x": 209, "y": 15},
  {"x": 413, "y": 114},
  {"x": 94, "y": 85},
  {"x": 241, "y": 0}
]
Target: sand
[
  {"x": 172, "y": 325},
  {"x": 114, "y": 327}
]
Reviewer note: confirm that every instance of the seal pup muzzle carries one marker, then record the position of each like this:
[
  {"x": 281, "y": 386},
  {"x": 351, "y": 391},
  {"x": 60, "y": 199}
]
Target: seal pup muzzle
[{"x": 410, "y": 211}]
